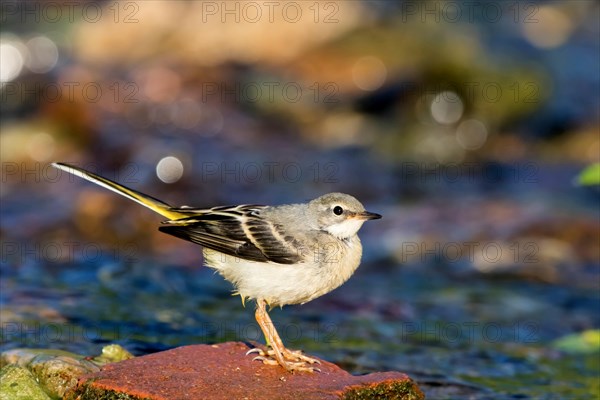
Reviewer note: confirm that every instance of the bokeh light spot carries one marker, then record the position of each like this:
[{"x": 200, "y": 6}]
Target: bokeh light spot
[
  {"x": 159, "y": 84},
  {"x": 552, "y": 29},
  {"x": 212, "y": 122},
  {"x": 40, "y": 146},
  {"x": 369, "y": 73},
  {"x": 446, "y": 108},
  {"x": 43, "y": 54},
  {"x": 11, "y": 62},
  {"x": 169, "y": 169},
  {"x": 471, "y": 134},
  {"x": 438, "y": 146},
  {"x": 186, "y": 114}
]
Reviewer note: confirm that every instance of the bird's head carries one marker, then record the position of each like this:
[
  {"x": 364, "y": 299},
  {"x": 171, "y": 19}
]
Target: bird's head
[{"x": 340, "y": 214}]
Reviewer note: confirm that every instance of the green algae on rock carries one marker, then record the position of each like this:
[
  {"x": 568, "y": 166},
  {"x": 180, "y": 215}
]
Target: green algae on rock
[
  {"x": 59, "y": 374},
  {"x": 112, "y": 353},
  {"x": 18, "y": 383},
  {"x": 53, "y": 372}
]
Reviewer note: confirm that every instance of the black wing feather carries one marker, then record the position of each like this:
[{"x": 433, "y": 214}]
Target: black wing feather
[{"x": 221, "y": 229}]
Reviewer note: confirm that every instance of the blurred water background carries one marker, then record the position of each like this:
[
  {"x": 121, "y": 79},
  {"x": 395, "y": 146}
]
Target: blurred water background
[{"x": 465, "y": 124}]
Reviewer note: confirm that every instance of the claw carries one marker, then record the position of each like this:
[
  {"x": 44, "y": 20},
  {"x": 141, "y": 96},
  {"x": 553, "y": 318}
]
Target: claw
[
  {"x": 293, "y": 361},
  {"x": 255, "y": 350},
  {"x": 298, "y": 355},
  {"x": 303, "y": 368},
  {"x": 265, "y": 360}
]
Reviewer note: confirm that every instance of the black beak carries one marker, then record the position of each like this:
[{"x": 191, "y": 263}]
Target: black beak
[{"x": 367, "y": 215}]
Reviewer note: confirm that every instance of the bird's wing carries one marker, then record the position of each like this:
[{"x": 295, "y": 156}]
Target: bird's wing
[{"x": 235, "y": 230}]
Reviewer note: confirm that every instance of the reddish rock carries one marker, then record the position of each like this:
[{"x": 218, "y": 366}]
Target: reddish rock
[{"x": 223, "y": 371}]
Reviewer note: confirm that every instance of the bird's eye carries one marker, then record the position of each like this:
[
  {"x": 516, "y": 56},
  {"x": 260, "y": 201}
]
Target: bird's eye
[{"x": 337, "y": 210}]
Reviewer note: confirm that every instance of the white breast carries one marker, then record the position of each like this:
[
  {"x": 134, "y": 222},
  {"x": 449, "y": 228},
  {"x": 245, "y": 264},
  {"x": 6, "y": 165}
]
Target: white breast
[{"x": 282, "y": 284}]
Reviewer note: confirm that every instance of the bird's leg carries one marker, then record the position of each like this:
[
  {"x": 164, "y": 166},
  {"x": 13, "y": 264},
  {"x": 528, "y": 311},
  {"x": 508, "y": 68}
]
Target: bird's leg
[
  {"x": 266, "y": 325},
  {"x": 288, "y": 359}
]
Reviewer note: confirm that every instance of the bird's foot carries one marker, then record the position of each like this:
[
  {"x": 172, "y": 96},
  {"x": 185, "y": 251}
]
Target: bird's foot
[{"x": 293, "y": 360}]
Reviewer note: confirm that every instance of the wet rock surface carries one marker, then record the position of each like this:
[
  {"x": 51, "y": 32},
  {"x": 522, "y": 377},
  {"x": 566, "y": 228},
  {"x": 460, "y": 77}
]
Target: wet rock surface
[{"x": 224, "y": 371}]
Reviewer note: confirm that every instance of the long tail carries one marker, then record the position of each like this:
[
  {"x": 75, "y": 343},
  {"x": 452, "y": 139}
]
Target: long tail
[{"x": 147, "y": 201}]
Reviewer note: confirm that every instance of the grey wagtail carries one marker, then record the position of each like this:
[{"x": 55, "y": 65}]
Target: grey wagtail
[{"x": 275, "y": 255}]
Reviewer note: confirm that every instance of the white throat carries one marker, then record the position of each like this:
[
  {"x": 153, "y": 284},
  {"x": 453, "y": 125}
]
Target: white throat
[{"x": 345, "y": 229}]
